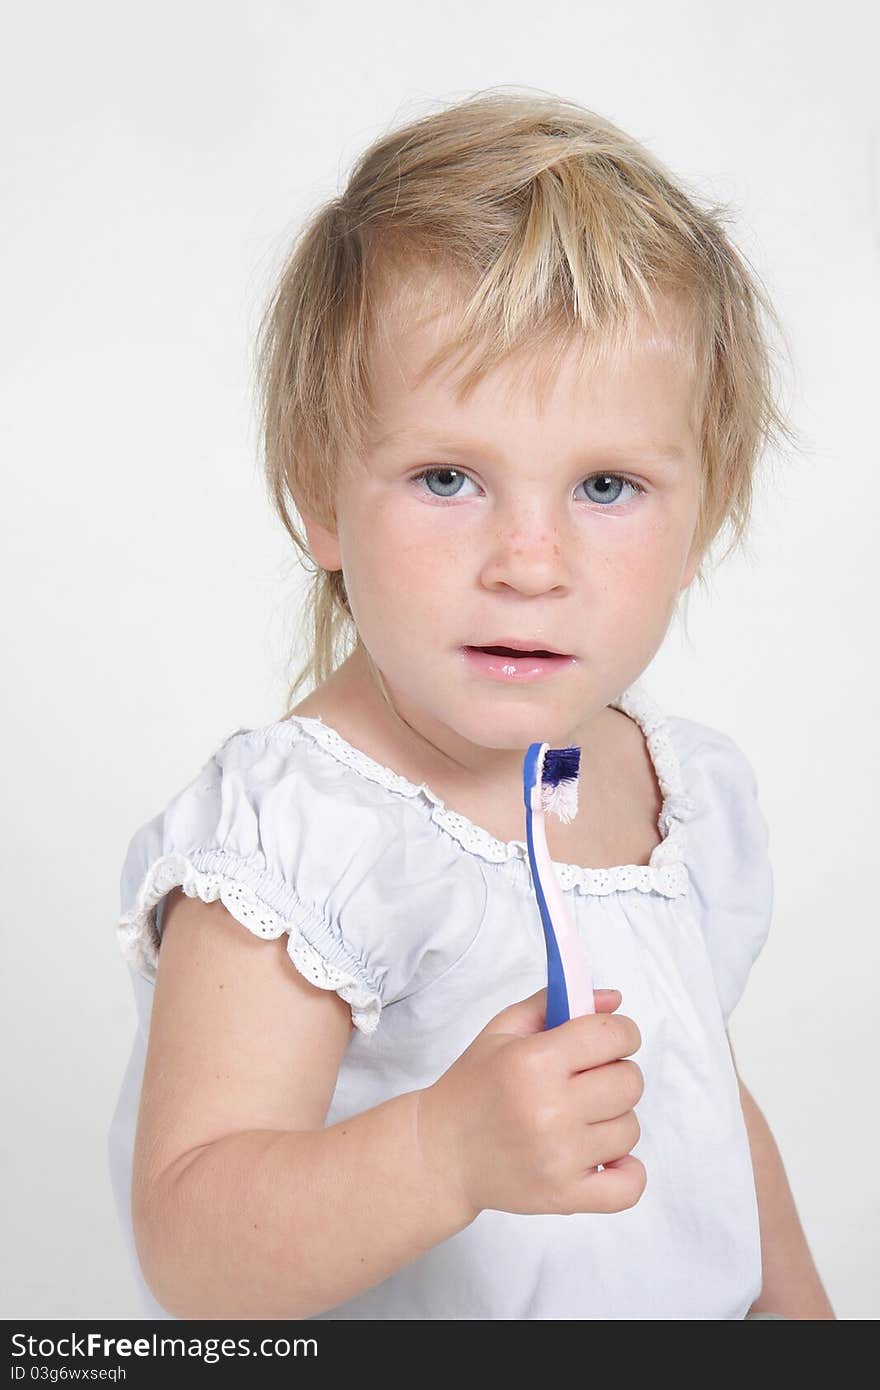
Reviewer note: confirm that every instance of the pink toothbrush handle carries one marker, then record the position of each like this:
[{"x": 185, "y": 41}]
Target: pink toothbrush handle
[{"x": 575, "y": 964}]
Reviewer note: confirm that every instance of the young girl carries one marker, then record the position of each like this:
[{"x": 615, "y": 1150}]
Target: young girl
[{"x": 514, "y": 382}]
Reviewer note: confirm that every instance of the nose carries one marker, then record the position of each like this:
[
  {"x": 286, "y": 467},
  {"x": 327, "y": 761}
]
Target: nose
[{"x": 533, "y": 558}]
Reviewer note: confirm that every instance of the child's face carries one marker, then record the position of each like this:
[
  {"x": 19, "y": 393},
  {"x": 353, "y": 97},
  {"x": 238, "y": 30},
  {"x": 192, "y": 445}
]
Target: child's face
[{"x": 522, "y": 541}]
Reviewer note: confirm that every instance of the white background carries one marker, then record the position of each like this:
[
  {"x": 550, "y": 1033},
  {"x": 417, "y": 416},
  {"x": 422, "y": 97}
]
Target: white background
[{"x": 156, "y": 162}]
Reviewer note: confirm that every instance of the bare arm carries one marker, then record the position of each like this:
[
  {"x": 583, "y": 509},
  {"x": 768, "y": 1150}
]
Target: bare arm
[
  {"x": 244, "y": 1205},
  {"x": 791, "y": 1283},
  {"x": 269, "y": 1224}
]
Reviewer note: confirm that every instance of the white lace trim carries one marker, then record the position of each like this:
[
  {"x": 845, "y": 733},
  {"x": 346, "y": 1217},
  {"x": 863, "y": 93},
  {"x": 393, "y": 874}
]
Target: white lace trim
[
  {"x": 665, "y": 872},
  {"x": 139, "y": 939}
]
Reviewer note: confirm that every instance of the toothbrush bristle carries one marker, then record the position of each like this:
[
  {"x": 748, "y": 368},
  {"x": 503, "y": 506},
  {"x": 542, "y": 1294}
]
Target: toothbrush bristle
[{"x": 559, "y": 782}]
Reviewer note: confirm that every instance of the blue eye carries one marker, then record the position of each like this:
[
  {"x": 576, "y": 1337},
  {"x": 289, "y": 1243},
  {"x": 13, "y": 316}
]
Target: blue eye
[
  {"x": 606, "y": 495},
  {"x": 614, "y": 479},
  {"x": 446, "y": 473}
]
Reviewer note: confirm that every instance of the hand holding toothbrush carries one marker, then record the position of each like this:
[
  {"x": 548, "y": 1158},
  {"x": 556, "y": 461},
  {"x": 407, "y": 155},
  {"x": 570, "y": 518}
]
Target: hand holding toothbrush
[
  {"x": 530, "y": 1124},
  {"x": 521, "y": 1121}
]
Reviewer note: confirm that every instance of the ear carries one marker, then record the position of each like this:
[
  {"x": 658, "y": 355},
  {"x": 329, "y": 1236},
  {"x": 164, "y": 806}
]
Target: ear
[
  {"x": 690, "y": 569},
  {"x": 323, "y": 544}
]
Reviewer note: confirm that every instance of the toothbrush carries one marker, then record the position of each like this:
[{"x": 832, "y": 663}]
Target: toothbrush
[{"x": 550, "y": 785}]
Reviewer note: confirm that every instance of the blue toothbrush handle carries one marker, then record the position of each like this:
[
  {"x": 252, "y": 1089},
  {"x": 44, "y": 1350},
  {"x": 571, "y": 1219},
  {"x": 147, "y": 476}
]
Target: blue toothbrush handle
[{"x": 557, "y": 993}]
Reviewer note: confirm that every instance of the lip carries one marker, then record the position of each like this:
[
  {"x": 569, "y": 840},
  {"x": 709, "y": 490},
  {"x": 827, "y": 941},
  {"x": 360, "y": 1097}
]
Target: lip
[
  {"x": 516, "y": 644},
  {"x": 515, "y": 669}
]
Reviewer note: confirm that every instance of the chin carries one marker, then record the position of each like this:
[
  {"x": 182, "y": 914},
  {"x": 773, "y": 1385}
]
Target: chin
[{"x": 507, "y": 724}]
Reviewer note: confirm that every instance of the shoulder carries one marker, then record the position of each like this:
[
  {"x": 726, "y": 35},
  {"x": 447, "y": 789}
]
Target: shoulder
[
  {"x": 696, "y": 742},
  {"x": 715, "y": 769},
  {"x": 728, "y": 860},
  {"x": 280, "y": 806},
  {"x": 294, "y": 839},
  {"x": 287, "y": 779},
  {"x": 727, "y": 830},
  {"x": 696, "y": 764}
]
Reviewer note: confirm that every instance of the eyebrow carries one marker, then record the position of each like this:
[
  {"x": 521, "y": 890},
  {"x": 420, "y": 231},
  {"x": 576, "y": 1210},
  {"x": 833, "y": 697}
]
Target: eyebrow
[{"x": 674, "y": 453}]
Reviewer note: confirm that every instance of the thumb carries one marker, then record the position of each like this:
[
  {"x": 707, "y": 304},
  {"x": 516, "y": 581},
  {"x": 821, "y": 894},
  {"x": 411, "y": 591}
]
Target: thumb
[{"x": 529, "y": 1015}]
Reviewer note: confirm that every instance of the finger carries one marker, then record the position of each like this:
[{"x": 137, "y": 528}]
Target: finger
[
  {"x": 593, "y": 1040},
  {"x": 608, "y": 1091},
  {"x": 616, "y": 1186}
]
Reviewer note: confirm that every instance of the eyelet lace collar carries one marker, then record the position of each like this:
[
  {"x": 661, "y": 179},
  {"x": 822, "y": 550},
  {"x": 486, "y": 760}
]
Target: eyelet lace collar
[{"x": 664, "y": 873}]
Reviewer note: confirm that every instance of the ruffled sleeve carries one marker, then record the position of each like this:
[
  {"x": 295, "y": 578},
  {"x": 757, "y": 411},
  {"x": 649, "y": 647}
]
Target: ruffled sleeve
[
  {"x": 729, "y": 867},
  {"x": 293, "y": 842}
]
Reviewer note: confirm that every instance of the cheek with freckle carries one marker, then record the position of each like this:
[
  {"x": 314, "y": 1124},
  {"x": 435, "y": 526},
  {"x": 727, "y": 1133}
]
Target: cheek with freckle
[{"x": 403, "y": 582}]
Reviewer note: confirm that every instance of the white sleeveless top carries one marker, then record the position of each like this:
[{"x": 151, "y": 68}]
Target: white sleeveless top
[{"x": 427, "y": 927}]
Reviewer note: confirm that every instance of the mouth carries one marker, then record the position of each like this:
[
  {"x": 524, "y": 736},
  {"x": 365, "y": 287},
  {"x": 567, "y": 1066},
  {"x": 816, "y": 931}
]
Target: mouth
[
  {"x": 516, "y": 663},
  {"x": 518, "y": 649}
]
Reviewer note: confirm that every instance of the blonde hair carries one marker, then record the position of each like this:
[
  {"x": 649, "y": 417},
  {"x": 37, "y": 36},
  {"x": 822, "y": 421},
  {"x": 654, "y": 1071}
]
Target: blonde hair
[{"x": 555, "y": 224}]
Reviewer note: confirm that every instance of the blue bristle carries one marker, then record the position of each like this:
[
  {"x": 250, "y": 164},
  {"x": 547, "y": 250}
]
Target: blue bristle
[{"x": 560, "y": 765}]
